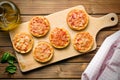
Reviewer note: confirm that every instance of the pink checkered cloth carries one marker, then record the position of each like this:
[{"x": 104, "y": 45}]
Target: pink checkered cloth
[{"x": 106, "y": 63}]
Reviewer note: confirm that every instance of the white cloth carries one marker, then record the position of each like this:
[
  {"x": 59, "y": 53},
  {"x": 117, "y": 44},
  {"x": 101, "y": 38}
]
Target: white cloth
[{"x": 105, "y": 65}]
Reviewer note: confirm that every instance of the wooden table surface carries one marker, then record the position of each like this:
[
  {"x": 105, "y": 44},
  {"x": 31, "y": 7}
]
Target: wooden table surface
[{"x": 67, "y": 69}]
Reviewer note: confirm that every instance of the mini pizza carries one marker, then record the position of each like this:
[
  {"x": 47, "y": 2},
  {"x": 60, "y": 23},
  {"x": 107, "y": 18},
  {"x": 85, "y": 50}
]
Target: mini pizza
[
  {"x": 43, "y": 52},
  {"x": 22, "y": 42},
  {"x": 77, "y": 19},
  {"x": 59, "y": 38},
  {"x": 39, "y": 26},
  {"x": 83, "y": 42}
]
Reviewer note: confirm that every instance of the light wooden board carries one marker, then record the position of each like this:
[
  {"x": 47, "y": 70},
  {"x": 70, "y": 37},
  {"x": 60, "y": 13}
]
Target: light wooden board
[{"x": 58, "y": 19}]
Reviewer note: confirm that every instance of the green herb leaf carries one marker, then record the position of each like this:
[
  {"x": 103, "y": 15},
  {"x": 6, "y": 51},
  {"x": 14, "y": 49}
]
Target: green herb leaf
[
  {"x": 11, "y": 69},
  {"x": 5, "y": 57},
  {"x": 11, "y": 59},
  {"x": 8, "y": 57}
]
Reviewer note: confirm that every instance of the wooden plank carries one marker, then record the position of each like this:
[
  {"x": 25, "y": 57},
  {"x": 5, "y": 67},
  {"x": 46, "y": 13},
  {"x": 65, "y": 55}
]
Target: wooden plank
[
  {"x": 59, "y": 70},
  {"x": 43, "y": 79},
  {"x": 48, "y": 7},
  {"x": 69, "y": 1},
  {"x": 65, "y": 70},
  {"x": 6, "y": 49},
  {"x": 102, "y": 35},
  {"x": 103, "y": 8},
  {"x": 4, "y": 39}
]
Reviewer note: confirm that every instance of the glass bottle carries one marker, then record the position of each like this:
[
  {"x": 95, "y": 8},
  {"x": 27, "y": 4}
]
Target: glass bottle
[{"x": 9, "y": 16}]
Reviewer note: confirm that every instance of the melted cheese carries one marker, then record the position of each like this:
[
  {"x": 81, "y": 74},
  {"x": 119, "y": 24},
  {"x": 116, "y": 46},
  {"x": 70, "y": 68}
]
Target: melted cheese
[
  {"x": 59, "y": 37},
  {"x": 77, "y": 19},
  {"x": 83, "y": 41},
  {"x": 22, "y": 42},
  {"x": 39, "y": 26},
  {"x": 43, "y": 52}
]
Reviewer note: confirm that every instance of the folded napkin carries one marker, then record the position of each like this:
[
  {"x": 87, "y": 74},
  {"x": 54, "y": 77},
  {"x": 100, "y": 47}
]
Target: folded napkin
[{"x": 105, "y": 65}]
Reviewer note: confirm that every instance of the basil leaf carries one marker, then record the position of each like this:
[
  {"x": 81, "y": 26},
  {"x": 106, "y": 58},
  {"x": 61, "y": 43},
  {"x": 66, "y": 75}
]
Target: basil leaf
[
  {"x": 11, "y": 59},
  {"x": 5, "y": 57},
  {"x": 11, "y": 69},
  {"x": 8, "y": 57}
]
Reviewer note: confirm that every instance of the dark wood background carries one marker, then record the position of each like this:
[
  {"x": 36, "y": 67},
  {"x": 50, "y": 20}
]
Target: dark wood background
[{"x": 67, "y": 69}]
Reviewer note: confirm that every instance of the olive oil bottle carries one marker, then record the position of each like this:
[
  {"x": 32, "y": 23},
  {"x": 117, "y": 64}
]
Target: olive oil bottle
[{"x": 9, "y": 16}]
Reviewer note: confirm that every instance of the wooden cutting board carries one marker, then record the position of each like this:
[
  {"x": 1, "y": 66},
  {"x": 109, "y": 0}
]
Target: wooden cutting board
[{"x": 58, "y": 19}]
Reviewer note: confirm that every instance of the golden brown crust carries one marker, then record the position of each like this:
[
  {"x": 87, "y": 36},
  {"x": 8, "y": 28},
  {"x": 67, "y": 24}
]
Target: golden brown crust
[
  {"x": 43, "y": 52},
  {"x": 22, "y": 42},
  {"x": 77, "y": 19},
  {"x": 39, "y": 26},
  {"x": 59, "y": 38},
  {"x": 83, "y": 42}
]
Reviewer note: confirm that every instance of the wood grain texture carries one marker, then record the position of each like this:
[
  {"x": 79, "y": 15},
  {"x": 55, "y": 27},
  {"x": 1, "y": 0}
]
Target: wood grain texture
[
  {"x": 59, "y": 70},
  {"x": 70, "y": 69},
  {"x": 48, "y": 7}
]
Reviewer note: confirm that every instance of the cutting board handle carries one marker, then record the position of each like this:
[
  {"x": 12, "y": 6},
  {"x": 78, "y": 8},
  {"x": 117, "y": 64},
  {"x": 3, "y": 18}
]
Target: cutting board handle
[
  {"x": 108, "y": 20},
  {"x": 96, "y": 24}
]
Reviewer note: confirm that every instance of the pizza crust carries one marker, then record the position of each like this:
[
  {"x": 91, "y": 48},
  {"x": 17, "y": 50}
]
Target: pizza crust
[
  {"x": 43, "y": 52},
  {"x": 77, "y": 19},
  {"x": 83, "y": 42},
  {"x": 59, "y": 38},
  {"x": 39, "y": 26},
  {"x": 22, "y": 42}
]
